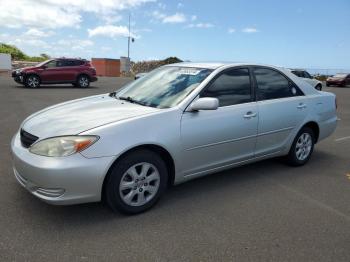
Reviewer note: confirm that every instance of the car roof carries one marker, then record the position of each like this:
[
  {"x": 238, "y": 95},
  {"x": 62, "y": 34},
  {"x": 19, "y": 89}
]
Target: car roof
[
  {"x": 296, "y": 69},
  {"x": 307, "y": 88},
  {"x": 216, "y": 65},
  {"x": 68, "y": 58}
]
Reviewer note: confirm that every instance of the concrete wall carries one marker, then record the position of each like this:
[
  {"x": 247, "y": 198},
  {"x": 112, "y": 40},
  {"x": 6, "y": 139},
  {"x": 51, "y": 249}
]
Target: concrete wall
[
  {"x": 106, "y": 66},
  {"x": 5, "y": 62}
]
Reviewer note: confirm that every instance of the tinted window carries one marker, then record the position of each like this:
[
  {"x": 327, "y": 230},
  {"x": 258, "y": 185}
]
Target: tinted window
[
  {"x": 60, "y": 63},
  {"x": 307, "y": 75},
  {"x": 272, "y": 85},
  {"x": 51, "y": 64},
  {"x": 77, "y": 62},
  {"x": 231, "y": 87},
  {"x": 298, "y": 73}
]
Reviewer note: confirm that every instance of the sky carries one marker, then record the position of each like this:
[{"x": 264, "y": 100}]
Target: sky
[{"x": 298, "y": 33}]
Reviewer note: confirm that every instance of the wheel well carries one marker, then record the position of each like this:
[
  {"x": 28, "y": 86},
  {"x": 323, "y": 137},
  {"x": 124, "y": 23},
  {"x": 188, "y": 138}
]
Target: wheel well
[
  {"x": 319, "y": 84},
  {"x": 314, "y": 126},
  {"x": 163, "y": 153},
  {"x": 83, "y": 74},
  {"x": 32, "y": 74}
]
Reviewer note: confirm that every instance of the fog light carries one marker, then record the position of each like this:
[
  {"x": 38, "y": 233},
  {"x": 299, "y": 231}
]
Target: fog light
[{"x": 50, "y": 192}]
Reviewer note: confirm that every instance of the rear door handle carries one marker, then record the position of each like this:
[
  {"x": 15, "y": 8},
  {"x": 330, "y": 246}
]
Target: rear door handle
[
  {"x": 249, "y": 114},
  {"x": 301, "y": 106}
]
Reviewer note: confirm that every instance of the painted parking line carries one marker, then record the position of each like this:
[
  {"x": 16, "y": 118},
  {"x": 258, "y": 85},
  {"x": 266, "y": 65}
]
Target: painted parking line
[{"x": 342, "y": 138}]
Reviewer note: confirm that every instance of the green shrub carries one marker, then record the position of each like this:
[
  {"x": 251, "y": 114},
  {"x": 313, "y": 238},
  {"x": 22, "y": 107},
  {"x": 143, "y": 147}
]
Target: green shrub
[{"x": 17, "y": 54}]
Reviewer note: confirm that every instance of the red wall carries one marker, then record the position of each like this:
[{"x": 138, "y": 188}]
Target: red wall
[{"x": 106, "y": 66}]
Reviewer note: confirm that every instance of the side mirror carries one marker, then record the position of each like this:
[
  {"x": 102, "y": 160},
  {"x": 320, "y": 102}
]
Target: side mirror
[
  {"x": 205, "y": 103},
  {"x": 44, "y": 67}
]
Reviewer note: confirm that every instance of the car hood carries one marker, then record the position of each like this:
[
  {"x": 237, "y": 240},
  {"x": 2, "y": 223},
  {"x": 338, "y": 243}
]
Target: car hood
[
  {"x": 336, "y": 78},
  {"x": 79, "y": 115},
  {"x": 28, "y": 68}
]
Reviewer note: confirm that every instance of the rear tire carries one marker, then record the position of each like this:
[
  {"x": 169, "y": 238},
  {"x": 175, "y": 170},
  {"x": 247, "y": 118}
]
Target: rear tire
[
  {"x": 302, "y": 147},
  {"x": 83, "y": 81},
  {"x": 319, "y": 87},
  {"x": 136, "y": 182},
  {"x": 32, "y": 81}
]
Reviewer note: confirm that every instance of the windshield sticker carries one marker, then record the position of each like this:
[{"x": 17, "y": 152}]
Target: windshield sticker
[{"x": 188, "y": 71}]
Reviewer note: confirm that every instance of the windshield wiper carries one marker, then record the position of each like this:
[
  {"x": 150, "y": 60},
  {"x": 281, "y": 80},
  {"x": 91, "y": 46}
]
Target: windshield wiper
[
  {"x": 113, "y": 94},
  {"x": 129, "y": 99}
]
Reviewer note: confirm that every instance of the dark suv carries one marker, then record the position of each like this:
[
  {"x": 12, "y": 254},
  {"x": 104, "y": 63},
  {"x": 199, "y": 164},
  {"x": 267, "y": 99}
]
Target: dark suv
[{"x": 77, "y": 72}]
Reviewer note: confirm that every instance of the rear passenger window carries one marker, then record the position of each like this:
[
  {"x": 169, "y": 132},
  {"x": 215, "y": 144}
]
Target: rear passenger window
[
  {"x": 231, "y": 87},
  {"x": 77, "y": 62},
  {"x": 272, "y": 85}
]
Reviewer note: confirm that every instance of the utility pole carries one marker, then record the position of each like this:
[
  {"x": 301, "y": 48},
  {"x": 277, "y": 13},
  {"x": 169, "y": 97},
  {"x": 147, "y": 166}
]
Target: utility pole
[{"x": 129, "y": 38}]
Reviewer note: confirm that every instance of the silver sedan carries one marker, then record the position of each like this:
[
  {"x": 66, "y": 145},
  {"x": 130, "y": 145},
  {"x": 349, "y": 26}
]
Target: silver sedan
[{"x": 179, "y": 122}]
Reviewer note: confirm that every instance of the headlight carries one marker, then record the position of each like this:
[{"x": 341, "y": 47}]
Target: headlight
[{"x": 62, "y": 146}]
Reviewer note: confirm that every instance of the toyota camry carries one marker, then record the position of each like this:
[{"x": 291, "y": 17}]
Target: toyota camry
[{"x": 179, "y": 122}]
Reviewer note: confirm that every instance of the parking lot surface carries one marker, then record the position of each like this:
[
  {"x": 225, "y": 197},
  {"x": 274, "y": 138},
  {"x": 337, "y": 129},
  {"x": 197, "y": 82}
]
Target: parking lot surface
[{"x": 261, "y": 212}]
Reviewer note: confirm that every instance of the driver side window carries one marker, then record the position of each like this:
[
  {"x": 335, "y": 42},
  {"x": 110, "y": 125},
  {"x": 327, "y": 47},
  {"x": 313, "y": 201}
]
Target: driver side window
[
  {"x": 51, "y": 64},
  {"x": 230, "y": 87}
]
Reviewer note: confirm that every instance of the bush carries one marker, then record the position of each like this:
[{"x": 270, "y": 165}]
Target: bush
[
  {"x": 146, "y": 66},
  {"x": 17, "y": 54}
]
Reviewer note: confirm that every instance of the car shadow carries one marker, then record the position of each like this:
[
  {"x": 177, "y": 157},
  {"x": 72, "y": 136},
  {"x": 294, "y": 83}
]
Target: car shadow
[
  {"x": 58, "y": 87},
  {"x": 178, "y": 199}
]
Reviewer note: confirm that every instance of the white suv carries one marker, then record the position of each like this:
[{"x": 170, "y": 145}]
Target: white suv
[{"x": 308, "y": 78}]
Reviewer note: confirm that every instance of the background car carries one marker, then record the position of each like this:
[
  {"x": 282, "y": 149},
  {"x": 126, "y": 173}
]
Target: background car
[
  {"x": 338, "y": 80},
  {"x": 308, "y": 78},
  {"x": 181, "y": 122},
  {"x": 77, "y": 72}
]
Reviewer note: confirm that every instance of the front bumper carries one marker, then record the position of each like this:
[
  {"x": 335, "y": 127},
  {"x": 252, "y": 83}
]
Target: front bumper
[
  {"x": 93, "y": 79},
  {"x": 18, "y": 76},
  {"x": 335, "y": 82},
  {"x": 59, "y": 180}
]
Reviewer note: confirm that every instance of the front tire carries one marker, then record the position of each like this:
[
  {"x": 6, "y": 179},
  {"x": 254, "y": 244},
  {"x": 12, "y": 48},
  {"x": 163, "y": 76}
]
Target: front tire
[
  {"x": 32, "y": 81},
  {"x": 83, "y": 81},
  {"x": 136, "y": 182},
  {"x": 302, "y": 147},
  {"x": 319, "y": 87}
]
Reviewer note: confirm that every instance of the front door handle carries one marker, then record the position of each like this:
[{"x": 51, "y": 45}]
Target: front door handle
[
  {"x": 249, "y": 115},
  {"x": 301, "y": 106}
]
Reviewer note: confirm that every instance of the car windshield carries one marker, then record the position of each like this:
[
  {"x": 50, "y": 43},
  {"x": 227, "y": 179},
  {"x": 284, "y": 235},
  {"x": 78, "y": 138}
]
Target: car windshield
[
  {"x": 43, "y": 63},
  {"x": 340, "y": 75},
  {"x": 164, "y": 87}
]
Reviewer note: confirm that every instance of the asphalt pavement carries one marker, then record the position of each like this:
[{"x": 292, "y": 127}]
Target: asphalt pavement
[{"x": 265, "y": 211}]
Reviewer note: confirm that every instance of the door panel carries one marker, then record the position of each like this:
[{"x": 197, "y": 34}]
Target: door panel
[
  {"x": 50, "y": 74},
  {"x": 282, "y": 108},
  {"x": 218, "y": 137},
  {"x": 277, "y": 120}
]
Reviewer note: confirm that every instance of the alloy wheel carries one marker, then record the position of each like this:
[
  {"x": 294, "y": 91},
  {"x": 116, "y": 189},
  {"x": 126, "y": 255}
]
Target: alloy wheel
[
  {"x": 139, "y": 184},
  {"x": 33, "y": 81},
  {"x": 83, "y": 81},
  {"x": 303, "y": 146}
]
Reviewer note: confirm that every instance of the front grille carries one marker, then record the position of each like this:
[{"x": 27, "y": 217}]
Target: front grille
[{"x": 27, "y": 139}]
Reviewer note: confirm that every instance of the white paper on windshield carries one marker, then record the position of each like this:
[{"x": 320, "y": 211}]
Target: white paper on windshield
[{"x": 188, "y": 71}]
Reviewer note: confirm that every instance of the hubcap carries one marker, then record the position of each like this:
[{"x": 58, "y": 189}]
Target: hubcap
[
  {"x": 303, "y": 146},
  {"x": 84, "y": 82},
  {"x": 139, "y": 184},
  {"x": 33, "y": 81}
]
